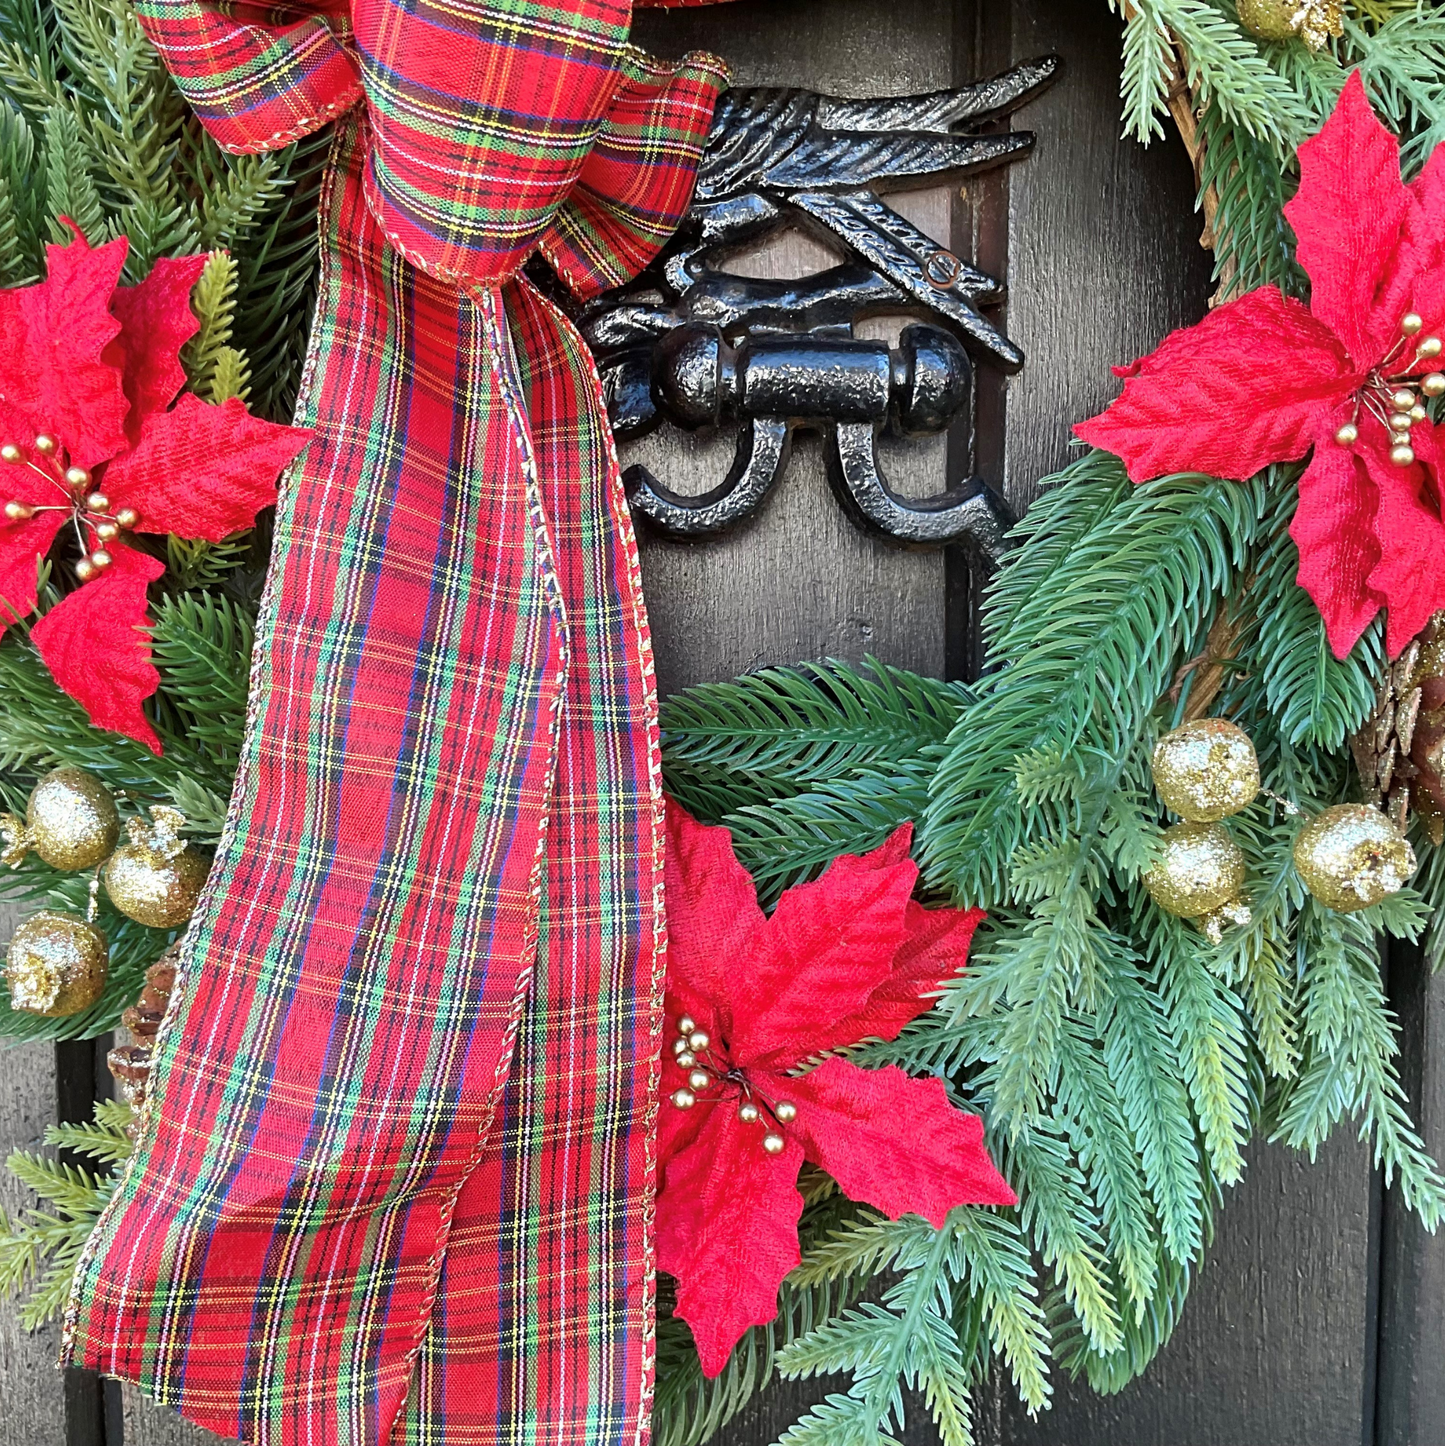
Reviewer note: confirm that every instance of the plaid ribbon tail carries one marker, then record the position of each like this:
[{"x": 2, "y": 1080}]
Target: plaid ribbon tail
[{"x": 394, "y": 1180}]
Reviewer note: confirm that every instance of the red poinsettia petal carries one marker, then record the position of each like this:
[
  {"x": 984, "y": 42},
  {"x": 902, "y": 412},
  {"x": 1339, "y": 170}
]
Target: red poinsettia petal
[
  {"x": 827, "y": 947},
  {"x": 57, "y": 363},
  {"x": 1410, "y": 574},
  {"x": 713, "y": 919},
  {"x": 1347, "y": 215},
  {"x": 201, "y": 471},
  {"x": 96, "y": 645},
  {"x": 1413, "y": 279},
  {"x": 1334, "y": 529},
  {"x": 891, "y": 1141},
  {"x": 935, "y": 949},
  {"x": 727, "y": 1228},
  {"x": 1242, "y": 389},
  {"x": 22, "y": 545},
  {"x": 156, "y": 322}
]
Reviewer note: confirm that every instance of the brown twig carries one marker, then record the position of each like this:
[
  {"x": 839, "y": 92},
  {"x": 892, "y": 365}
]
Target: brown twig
[
  {"x": 1181, "y": 107},
  {"x": 1210, "y": 669}
]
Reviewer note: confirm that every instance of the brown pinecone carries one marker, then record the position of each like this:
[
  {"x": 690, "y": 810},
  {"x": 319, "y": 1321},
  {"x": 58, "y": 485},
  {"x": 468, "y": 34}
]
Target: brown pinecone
[
  {"x": 1400, "y": 751},
  {"x": 1427, "y": 750},
  {"x": 130, "y": 1064}
]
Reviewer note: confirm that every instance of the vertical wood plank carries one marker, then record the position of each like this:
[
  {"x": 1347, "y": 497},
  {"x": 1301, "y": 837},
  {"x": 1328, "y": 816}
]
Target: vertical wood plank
[
  {"x": 1104, "y": 261},
  {"x": 32, "y": 1406},
  {"x": 1411, "y": 1391},
  {"x": 1103, "y": 242},
  {"x": 800, "y": 581},
  {"x": 1272, "y": 1346},
  {"x": 80, "y": 1079},
  {"x": 32, "y": 1402}
]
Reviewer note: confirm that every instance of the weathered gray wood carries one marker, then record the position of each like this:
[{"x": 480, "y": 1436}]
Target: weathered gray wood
[
  {"x": 32, "y": 1407},
  {"x": 32, "y": 1403},
  {"x": 81, "y": 1078},
  {"x": 1411, "y": 1392}
]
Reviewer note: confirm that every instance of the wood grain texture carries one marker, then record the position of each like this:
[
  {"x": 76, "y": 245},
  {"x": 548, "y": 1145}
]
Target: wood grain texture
[
  {"x": 32, "y": 1403},
  {"x": 800, "y": 581},
  {"x": 1274, "y": 1342},
  {"x": 1103, "y": 244},
  {"x": 1410, "y": 1405},
  {"x": 32, "y": 1407}
]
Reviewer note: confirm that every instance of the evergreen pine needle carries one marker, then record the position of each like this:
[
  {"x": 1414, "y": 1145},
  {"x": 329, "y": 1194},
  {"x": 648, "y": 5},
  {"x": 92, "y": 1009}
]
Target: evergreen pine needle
[
  {"x": 1063, "y": 1222},
  {"x": 69, "y": 185}
]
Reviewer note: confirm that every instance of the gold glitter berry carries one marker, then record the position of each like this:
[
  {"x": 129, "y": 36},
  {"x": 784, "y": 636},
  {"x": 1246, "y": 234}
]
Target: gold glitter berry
[
  {"x": 1206, "y": 770},
  {"x": 1200, "y": 869},
  {"x": 156, "y": 878},
  {"x": 72, "y": 819},
  {"x": 57, "y": 964},
  {"x": 1351, "y": 856}
]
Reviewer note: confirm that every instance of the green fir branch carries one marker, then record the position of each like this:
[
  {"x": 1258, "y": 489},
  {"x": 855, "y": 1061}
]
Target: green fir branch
[
  {"x": 1133, "y": 594},
  {"x": 1209, "y": 1039},
  {"x": 782, "y": 730},
  {"x": 1314, "y": 697},
  {"x": 1222, "y": 65},
  {"x": 1141, "y": 1058},
  {"x": 1349, "y": 1064},
  {"x": 1064, "y": 1225},
  {"x": 39, "y": 1249},
  {"x": 908, "y": 1339}
]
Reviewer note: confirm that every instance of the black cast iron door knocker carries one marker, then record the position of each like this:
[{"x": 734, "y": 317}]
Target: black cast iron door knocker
[{"x": 697, "y": 346}]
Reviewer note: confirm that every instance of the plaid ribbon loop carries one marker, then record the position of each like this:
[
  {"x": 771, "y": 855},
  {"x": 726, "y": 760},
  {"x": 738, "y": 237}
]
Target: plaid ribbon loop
[
  {"x": 395, "y": 1178},
  {"x": 497, "y": 128}
]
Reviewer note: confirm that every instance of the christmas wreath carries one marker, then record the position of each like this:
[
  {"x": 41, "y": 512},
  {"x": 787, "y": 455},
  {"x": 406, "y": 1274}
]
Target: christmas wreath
[{"x": 1203, "y": 770}]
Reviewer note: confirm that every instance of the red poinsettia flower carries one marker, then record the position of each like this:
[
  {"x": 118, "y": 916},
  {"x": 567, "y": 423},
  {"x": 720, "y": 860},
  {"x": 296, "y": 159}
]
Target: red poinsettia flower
[
  {"x": 849, "y": 957},
  {"x": 1265, "y": 378},
  {"x": 89, "y": 440}
]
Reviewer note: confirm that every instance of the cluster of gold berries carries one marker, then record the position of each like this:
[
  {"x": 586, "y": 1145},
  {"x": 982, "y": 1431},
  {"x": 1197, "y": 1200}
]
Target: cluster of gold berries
[
  {"x": 87, "y": 508},
  {"x": 1404, "y": 405},
  {"x": 692, "y": 1051}
]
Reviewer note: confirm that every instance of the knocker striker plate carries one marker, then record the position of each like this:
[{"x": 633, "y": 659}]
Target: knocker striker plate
[{"x": 775, "y": 357}]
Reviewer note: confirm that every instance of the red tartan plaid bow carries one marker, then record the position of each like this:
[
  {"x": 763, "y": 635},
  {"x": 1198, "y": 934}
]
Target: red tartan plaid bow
[{"x": 395, "y": 1178}]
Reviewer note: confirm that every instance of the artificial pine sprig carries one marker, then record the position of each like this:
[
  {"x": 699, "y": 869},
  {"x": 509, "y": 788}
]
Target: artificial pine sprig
[
  {"x": 1122, "y": 1062},
  {"x": 38, "y": 1249}
]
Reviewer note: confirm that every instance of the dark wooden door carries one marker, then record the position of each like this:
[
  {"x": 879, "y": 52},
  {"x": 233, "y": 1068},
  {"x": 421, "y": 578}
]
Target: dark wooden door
[{"x": 1318, "y": 1318}]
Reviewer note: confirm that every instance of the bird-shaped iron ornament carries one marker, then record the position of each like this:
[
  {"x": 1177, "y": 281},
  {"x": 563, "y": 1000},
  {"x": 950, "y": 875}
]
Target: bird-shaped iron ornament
[{"x": 698, "y": 346}]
